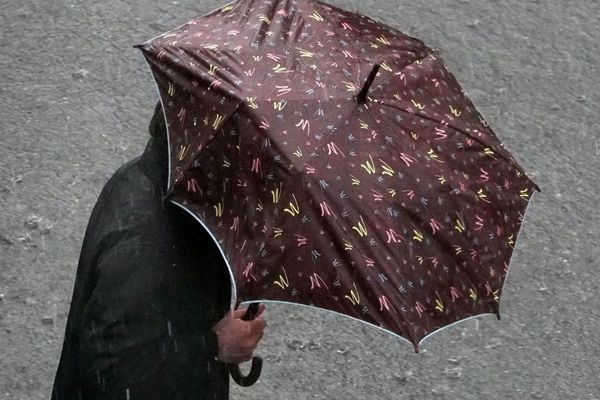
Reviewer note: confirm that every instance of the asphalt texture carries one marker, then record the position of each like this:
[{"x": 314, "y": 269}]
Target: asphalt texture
[{"x": 75, "y": 103}]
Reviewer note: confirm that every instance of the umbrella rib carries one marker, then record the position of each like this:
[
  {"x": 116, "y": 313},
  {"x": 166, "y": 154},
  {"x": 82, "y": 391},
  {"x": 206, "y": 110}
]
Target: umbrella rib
[
  {"x": 453, "y": 126},
  {"x": 224, "y": 124}
]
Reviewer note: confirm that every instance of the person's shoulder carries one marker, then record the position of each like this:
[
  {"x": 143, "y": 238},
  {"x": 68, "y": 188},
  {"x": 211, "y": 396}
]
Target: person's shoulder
[
  {"x": 129, "y": 179},
  {"x": 129, "y": 206}
]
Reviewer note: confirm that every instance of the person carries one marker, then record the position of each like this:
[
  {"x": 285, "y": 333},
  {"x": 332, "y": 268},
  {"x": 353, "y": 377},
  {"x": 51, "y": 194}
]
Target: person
[{"x": 149, "y": 316}]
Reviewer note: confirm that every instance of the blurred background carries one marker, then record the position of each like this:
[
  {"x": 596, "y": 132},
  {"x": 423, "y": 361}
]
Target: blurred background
[{"x": 76, "y": 99}]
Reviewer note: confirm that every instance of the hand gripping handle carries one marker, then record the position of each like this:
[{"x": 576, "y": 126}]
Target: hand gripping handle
[{"x": 234, "y": 369}]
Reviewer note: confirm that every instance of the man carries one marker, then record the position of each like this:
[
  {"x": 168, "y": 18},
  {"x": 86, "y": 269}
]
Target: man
[{"x": 149, "y": 315}]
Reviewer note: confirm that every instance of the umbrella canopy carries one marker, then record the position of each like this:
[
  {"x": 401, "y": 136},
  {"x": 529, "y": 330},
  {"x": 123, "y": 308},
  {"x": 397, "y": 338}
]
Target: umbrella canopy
[{"x": 337, "y": 163}]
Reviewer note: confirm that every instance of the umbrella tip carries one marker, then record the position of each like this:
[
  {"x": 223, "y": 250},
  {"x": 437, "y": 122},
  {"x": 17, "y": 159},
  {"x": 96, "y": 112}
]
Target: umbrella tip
[{"x": 361, "y": 97}]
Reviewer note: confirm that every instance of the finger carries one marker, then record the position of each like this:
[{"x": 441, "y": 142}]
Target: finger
[
  {"x": 239, "y": 313},
  {"x": 259, "y": 324},
  {"x": 234, "y": 313}
]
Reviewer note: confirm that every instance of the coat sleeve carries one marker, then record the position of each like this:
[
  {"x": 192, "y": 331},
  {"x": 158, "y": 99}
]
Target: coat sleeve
[{"x": 144, "y": 332}]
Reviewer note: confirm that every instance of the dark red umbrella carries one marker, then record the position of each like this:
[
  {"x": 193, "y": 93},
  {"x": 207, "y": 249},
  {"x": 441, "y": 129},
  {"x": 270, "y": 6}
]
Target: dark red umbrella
[{"x": 338, "y": 164}]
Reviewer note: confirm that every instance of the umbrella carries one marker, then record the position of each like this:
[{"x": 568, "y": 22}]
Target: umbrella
[{"x": 338, "y": 164}]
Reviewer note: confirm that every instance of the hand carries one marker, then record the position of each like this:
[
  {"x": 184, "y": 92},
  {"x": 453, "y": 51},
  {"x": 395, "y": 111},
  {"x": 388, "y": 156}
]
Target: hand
[{"x": 237, "y": 338}]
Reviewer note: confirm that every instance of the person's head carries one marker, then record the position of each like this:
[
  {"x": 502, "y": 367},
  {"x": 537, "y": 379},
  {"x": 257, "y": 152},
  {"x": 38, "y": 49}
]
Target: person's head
[{"x": 157, "y": 127}]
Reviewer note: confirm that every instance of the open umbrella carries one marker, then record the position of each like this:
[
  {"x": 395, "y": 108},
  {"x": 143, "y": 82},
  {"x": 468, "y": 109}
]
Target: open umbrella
[{"x": 338, "y": 164}]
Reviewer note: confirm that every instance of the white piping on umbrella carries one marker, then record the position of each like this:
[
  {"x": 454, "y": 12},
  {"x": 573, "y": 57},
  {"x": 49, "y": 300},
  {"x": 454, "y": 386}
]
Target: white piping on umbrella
[
  {"x": 233, "y": 286},
  {"x": 452, "y": 324},
  {"x": 234, "y": 293},
  {"x": 515, "y": 245},
  {"x": 331, "y": 311},
  {"x": 393, "y": 333},
  {"x": 233, "y": 298},
  {"x": 387, "y": 331},
  {"x": 158, "y": 90},
  {"x": 503, "y": 284},
  {"x": 187, "y": 22}
]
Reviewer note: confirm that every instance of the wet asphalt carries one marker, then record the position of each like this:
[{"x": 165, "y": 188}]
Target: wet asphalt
[{"x": 75, "y": 103}]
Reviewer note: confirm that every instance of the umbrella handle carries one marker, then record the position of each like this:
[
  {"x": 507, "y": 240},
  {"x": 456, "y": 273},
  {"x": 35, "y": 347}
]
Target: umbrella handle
[
  {"x": 234, "y": 369},
  {"x": 251, "y": 378}
]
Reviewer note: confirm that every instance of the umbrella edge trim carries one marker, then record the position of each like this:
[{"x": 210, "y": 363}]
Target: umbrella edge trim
[
  {"x": 452, "y": 324},
  {"x": 247, "y": 302},
  {"x": 503, "y": 283},
  {"x": 146, "y": 42},
  {"x": 233, "y": 297}
]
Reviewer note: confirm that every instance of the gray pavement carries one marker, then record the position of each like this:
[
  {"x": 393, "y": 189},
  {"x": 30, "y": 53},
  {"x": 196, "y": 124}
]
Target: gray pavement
[{"x": 75, "y": 101}]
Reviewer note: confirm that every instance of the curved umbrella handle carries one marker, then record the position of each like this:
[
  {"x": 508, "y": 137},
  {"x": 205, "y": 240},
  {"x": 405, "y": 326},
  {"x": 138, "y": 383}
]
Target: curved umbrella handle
[
  {"x": 251, "y": 378},
  {"x": 234, "y": 369}
]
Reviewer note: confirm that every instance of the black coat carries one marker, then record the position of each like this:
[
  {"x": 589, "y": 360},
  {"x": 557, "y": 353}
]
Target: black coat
[{"x": 150, "y": 285}]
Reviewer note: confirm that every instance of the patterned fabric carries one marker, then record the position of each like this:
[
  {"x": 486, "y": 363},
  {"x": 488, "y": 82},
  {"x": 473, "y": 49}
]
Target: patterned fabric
[{"x": 402, "y": 212}]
